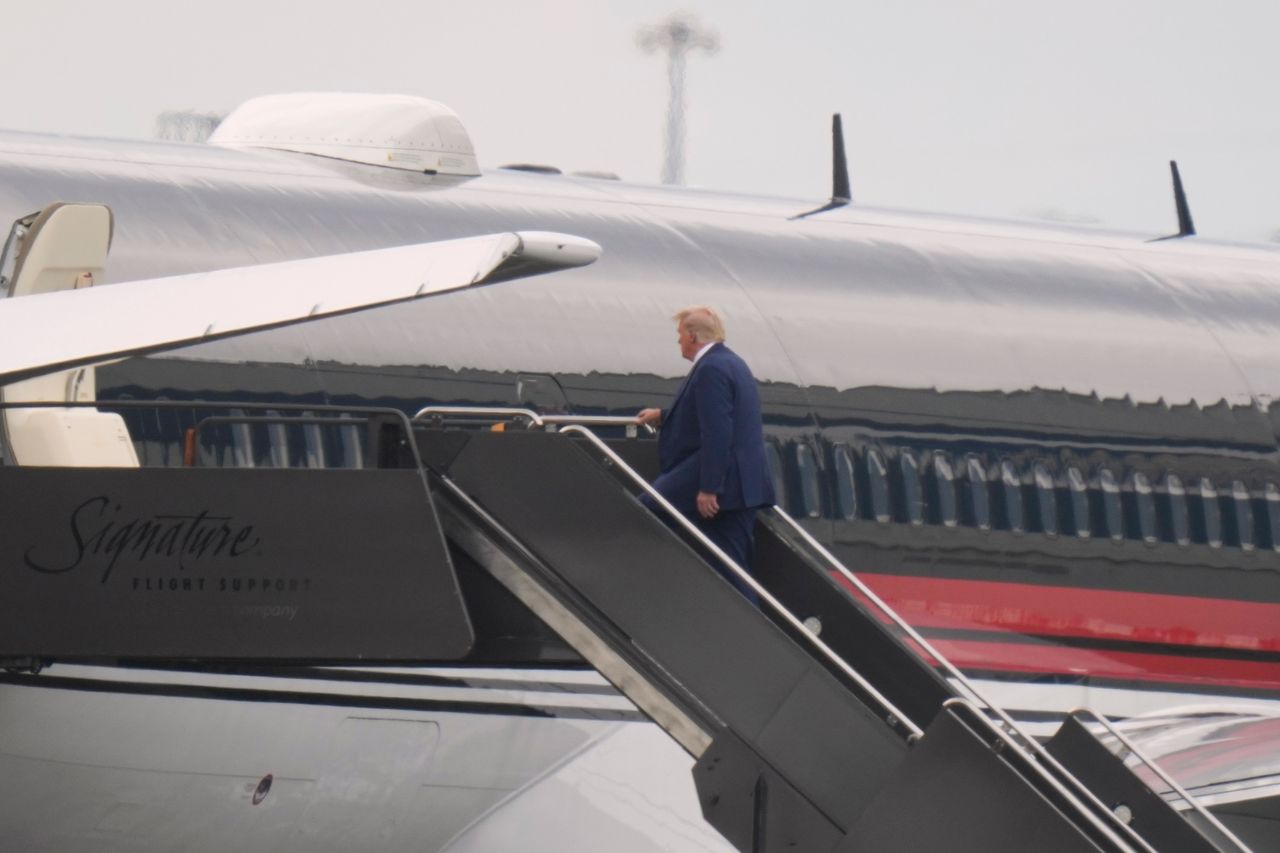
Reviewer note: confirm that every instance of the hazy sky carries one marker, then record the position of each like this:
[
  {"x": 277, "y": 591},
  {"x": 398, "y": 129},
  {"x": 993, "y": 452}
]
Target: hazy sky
[{"x": 992, "y": 107}]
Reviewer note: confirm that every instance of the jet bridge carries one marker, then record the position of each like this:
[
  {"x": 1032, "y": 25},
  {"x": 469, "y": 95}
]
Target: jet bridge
[{"x": 818, "y": 721}]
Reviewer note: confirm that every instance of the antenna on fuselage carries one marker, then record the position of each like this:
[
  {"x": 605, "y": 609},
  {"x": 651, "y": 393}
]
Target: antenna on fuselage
[
  {"x": 1186, "y": 228},
  {"x": 840, "y": 192}
]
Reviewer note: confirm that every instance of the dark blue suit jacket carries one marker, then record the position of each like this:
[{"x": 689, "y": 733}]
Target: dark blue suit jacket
[{"x": 712, "y": 439}]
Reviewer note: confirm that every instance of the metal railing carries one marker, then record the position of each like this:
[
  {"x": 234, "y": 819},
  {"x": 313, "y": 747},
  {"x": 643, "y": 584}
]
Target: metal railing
[
  {"x": 630, "y": 424},
  {"x": 895, "y": 717},
  {"x": 477, "y": 411},
  {"x": 575, "y": 425},
  {"x": 307, "y": 413},
  {"x": 1109, "y": 831},
  {"x": 1028, "y": 743},
  {"x": 1159, "y": 771},
  {"x": 548, "y": 422}
]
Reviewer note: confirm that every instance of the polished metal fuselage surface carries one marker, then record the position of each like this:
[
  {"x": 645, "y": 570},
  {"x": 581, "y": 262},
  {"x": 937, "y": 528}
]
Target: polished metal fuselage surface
[
  {"x": 1111, "y": 399},
  {"x": 1054, "y": 450}
]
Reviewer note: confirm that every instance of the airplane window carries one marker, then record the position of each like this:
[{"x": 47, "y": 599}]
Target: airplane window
[
  {"x": 241, "y": 441},
  {"x": 342, "y": 443},
  {"x": 945, "y": 480},
  {"x": 846, "y": 493},
  {"x": 260, "y": 441},
  {"x": 269, "y": 446},
  {"x": 1178, "y": 509},
  {"x": 1078, "y": 488},
  {"x": 168, "y": 437},
  {"x": 181, "y": 420},
  {"x": 153, "y": 437},
  {"x": 1211, "y": 513},
  {"x": 878, "y": 476},
  {"x": 1243, "y": 514},
  {"x": 175, "y": 433},
  {"x": 1011, "y": 489},
  {"x": 1111, "y": 514},
  {"x": 277, "y": 442},
  {"x": 314, "y": 443},
  {"x": 912, "y": 495},
  {"x": 807, "y": 466},
  {"x": 1145, "y": 507},
  {"x": 296, "y": 443},
  {"x": 775, "y": 470},
  {"x": 147, "y": 432},
  {"x": 133, "y": 426},
  {"x": 1047, "y": 493},
  {"x": 352, "y": 447},
  {"x": 979, "y": 500},
  {"x": 1272, "y": 496}
]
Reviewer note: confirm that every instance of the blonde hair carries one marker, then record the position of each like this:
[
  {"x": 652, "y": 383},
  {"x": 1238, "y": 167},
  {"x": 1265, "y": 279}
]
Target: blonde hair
[{"x": 703, "y": 321}]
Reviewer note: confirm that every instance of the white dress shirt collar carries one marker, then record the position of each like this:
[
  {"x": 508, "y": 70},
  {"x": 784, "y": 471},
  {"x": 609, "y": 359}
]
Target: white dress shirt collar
[{"x": 703, "y": 351}]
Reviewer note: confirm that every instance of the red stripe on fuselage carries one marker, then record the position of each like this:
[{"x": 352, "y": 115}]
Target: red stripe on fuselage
[
  {"x": 1058, "y": 611},
  {"x": 975, "y": 656}
]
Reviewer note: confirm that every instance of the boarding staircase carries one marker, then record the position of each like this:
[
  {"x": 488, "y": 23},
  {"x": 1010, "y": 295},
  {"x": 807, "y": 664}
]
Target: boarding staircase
[{"x": 818, "y": 721}]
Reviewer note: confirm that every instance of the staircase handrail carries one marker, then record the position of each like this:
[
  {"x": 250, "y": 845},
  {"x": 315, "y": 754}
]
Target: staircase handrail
[
  {"x": 1155, "y": 768},
  {"x": 895, "y": 715},
  {"x": 1092, "y": 817},
  {"x": 1029, "y": 743}
]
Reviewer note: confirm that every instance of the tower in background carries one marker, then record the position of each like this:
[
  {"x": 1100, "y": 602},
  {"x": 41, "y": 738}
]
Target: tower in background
[{"x": 679, "y": 35}]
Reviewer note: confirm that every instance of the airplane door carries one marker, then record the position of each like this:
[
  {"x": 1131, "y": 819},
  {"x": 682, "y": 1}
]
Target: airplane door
[{"x": 63, "y": 247}]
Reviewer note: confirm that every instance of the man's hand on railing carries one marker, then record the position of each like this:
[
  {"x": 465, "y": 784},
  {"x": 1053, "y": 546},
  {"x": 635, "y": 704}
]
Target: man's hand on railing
[{"x": 649, "y": 417}]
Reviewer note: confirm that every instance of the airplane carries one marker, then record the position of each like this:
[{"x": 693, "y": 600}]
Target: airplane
[{"x": 1052, "y": 449}]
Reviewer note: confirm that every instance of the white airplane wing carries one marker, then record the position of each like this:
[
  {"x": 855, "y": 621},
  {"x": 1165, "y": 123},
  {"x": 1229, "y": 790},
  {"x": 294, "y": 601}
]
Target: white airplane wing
[{"x": 43, "y": 332}]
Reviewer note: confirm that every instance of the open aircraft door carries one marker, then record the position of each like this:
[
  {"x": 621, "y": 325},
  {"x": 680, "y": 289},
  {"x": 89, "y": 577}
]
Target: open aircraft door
[{"x": 63, "y": 247}]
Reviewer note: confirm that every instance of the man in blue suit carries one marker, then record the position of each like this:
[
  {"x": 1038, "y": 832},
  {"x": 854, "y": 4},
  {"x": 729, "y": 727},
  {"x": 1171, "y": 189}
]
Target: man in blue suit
[{"x": 711, "y": 447}]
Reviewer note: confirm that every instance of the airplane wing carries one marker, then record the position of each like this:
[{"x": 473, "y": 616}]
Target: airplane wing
[{"x": 44, "y": 332}]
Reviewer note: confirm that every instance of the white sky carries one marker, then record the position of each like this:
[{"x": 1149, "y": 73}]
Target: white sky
[{"x": 987, "y": 107}]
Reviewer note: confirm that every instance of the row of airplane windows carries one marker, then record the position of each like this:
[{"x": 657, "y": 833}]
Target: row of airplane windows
[
  {"x": 933, "y": 487},
  {"x": 246, "y": 441},
  {"x": 886, "y": 485}
]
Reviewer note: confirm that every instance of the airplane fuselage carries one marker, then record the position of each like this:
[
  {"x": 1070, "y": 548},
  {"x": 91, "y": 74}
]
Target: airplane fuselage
[{"x": 1055, "y": 451}]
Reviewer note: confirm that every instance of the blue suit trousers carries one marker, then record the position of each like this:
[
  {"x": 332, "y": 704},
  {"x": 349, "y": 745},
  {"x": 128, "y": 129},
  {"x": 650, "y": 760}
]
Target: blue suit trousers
[{"x": 733, "y": 531}]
